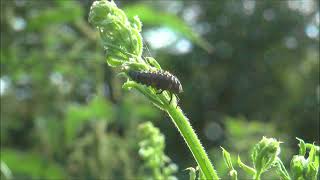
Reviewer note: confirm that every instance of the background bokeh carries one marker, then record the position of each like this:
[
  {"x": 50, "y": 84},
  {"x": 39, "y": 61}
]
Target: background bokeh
[{"x": 249, "y": 69}]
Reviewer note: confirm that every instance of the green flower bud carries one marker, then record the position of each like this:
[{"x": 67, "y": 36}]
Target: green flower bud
[
  {"x": 151, "y": 150},
  {"x": 146, "y": 152},
  {"x": 305, "y": 167},
  {"x": 170, "y": 169},
  {"x": 297, "y": 165},
  {"x": 120, "y": 38},
  {"x": 228, "y": 162},
  {"x": 265, "y": 153},
  {"x": 227, "y": 158},
  {"x": 99, "y": 12}
]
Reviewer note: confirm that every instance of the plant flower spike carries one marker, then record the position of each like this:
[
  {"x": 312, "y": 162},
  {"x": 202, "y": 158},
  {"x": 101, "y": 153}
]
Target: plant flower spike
[{"x": 123, "y": 43}]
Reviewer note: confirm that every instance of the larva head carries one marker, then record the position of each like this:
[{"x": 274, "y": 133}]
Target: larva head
[
  {"x": 180, "y": 88},
  {"x": 177, "y": 87}
]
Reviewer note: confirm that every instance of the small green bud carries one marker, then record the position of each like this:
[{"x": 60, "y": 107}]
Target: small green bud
[
  {"x": 227, "y": 158},
  {"x": 297, "y": 165},
  {"x": 265, "y": 153},
  {"x": 305, "y": 167},
  {"x": 228, "y": 162},
  {"x": 172, "y": 168},
  {"x": 146, "y": 152},
  {"x": 99, "y": 11}
]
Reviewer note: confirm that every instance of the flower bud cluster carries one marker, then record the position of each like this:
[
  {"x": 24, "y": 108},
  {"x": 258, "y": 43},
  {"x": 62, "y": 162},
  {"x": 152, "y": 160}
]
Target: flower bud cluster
[{"x": 151, "y": 150}]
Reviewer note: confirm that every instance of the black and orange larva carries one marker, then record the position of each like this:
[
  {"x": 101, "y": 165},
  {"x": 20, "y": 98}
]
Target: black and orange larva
[{"x": 161, "y": 80}]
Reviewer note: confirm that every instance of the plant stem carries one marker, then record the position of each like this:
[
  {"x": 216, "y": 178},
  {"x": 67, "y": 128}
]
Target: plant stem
[
  {"x": 257, "y": 175},
  {"x": 193, "y": 142}
]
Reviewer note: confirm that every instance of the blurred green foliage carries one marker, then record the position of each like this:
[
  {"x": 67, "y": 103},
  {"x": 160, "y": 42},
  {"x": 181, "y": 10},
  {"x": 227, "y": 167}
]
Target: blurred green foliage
[
  {"x": 30, "y": 164},
  {"x": 64, "y": 114}
]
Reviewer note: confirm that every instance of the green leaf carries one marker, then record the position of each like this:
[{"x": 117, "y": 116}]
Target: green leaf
[
  {"x": 281, "y": 169},
  {"x": 150, "y": 16},
  {"x": 246, "y": 168},
  {"x": 302, "y": 147},
  {"x": 227, "y": 159}
]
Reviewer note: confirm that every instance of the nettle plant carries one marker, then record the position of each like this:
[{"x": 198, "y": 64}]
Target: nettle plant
[{"x": 122, "y": 40}]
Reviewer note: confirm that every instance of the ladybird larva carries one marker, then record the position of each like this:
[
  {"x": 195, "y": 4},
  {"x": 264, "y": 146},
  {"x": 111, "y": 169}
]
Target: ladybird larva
[{"x": 161, "y": 80}]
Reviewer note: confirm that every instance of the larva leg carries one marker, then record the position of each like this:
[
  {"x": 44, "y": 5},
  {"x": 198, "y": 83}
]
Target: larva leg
[
  {"x": 160, "y": 92},
  {"x": 177, "y": 100},
  {"x": 171, "y": 95}
]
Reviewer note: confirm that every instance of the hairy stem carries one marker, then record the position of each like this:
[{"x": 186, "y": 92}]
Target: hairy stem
[{"x": 193, "y": 142}]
